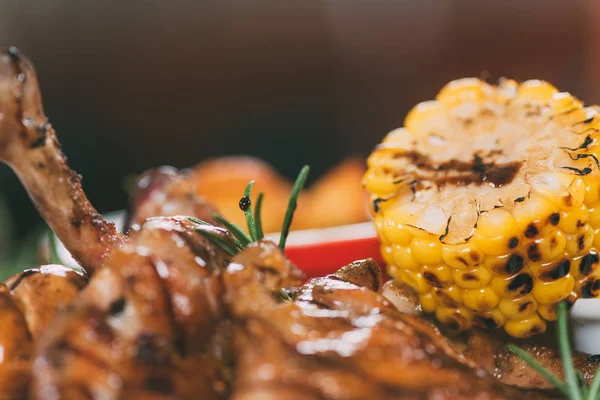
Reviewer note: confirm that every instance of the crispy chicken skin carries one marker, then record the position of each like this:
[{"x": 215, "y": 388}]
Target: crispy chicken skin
[
  {"x": 339, "y": 339},
  {"x": 143, "y": 327},
  {"x": 28, "y": 303}
]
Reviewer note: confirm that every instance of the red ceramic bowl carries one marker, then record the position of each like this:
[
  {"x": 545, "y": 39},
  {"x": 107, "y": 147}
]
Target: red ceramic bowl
[{"x": 319, "y": 252}]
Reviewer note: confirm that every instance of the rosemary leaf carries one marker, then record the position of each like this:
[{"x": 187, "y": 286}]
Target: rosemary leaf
[
  {"x": 257, "y": 218},
  {"x": 565, "y": 352},
  {"x": 289, "y": 214},
  {"x": 218, "y": 241},
  {"x": 235, "y": 230}
]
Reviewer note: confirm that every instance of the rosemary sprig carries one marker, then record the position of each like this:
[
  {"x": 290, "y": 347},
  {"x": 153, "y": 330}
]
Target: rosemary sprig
[
  {"x": 289, "y": 214},
  {"x": 253, "y": 221},
  {"x": 575, "y": 387},
  {"x": 257, "y": 208}
]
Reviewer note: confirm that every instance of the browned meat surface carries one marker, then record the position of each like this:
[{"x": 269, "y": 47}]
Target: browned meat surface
[
  {"x": 28, "y": 303},
  {"x": 29, "y": 146},
  {"x": 40, "y": 293},
  {"x": 17, "y": 348},
  {"x": 487, "y": 349},
  {"x": 165, "y": 192},
  {"x": 144, "y": 326},
  {"x": 339, "y": 339}
]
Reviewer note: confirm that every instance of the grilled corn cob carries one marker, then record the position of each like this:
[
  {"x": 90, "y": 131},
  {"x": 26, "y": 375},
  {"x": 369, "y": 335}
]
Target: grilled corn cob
[{"x": 487, "y": 203}]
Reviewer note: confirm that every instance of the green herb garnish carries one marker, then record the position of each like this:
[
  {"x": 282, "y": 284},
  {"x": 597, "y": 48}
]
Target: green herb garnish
[
  {"x": 253, "y": 220},
  {"x": 575, "y": 387}
]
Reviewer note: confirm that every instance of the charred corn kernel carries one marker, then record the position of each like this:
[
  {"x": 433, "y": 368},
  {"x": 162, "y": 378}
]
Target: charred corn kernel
[
  {"x": 480, "y": 299},
  {"x": 549, "y": 246},
  {"x": 438, "y": 277},
  {"x": 525, "y": 327},
  {"x": 428, "y": 252},
  {"x": 428, "y": 303},
  {"x": 535, "y": 209},
  {"x": 490, "y": 203},
  {"x": 415, "y": 280},
  {"x": 490, "y": 319},
  {"x": 573, "y": 220},
  {"x": 519, "y": 308},
  {"x": 580, "y": 243},
  {"x": 456, "y": 318},
  {"x": 461, "y": 256},
  {"x": 403, "y": 257},
  {"x": 554, "y": 291},
  {"x": 536, "y": 91},
  {"x": 475, "y": 278},
  {"x": 449, "y": 297},
  {"x": 512, "y": 286},
  {"x": 497, "y": 232},
  {"x": 507, "y": 264}
]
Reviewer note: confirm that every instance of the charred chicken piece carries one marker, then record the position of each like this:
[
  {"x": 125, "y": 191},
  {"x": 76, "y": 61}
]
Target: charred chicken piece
[
  {"x": 144, "y": 327},
  {"x": 164, "y": 191},
  {"x": 29, "y": 301},
  {"x": 338, "y": 339},
  {"x": 17, "y": 348},
  {"x": 29, "y": 146}
]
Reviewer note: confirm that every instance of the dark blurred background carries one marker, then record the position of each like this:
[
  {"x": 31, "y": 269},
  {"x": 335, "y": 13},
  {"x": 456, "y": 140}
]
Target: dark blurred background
[{"x": 133, "y": 84}]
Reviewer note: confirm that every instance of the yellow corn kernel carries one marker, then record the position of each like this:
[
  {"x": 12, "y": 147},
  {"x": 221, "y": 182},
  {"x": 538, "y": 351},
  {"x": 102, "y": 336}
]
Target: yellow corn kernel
[
  {"x": 507, "y": 264},
  {"x": 490, "y": 319},
  {"x": 449, "y": 297},
  {"x": 584, "y": 265},
  {"x": 563, "y": 102},
  {"x": 439, "y": 276},
  {"x": 415, "y": 280},
  {"x": 428, "y": 303},
  {"x": 394, "y": 231},
  {"x": 574, "y": 219},
  {"x": 514, "y": 286},
  {"x": 396, "y": 136},
  {"x": 535, "y": 209},
  {"x": 404, "y": 258},
  {"x": 426, "y": 251},
  {"x": 525, "y": 327},
  {"x": 462, "y": 256},
  {"x": 580, "y": 243},
  {"x": 475, "y": 278},
  {"x": 594, "y": 215},
  {"x": 548, "y": 312},
  {"x": 456, "y": 318},
  {"x": 387, "y": 254},
  {"x": 379, "y": 183},
  {"x": 554, "y": 291},
  {"x": 497, "y": 232},
  {"x": 551, "y": 270},
  {"x": 480, "y": 299},
  {"x": 592, "y": 191},
  {"x": 519, "y": 308},
  {"x": 536, "y": 91},
  {"x": 419, "y": 118},
  {"x": 547, "y": 247},
  {"x": 463, "y": 90}
]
